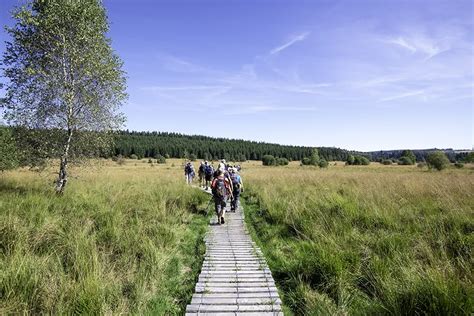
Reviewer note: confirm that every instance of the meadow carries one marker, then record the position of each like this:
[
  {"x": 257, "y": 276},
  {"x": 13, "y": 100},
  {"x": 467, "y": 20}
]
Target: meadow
[
  {"x": 347, "y": 240},
  {"x": 368, "y": 240},
  {"x": 123, "y": 239}
]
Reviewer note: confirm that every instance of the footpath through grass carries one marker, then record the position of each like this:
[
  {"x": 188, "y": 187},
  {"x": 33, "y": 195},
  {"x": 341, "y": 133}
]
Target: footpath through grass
[
  {"x": 123, "y": 239},
  {"x": 366, "y": 240}
]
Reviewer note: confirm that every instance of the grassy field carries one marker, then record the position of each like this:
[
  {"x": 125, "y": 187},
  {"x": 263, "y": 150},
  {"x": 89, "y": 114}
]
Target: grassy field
[
  {"x": 392, "y": 240},
  {"x": 346, "y": 240},
  {"x": 123, "y": 239}
]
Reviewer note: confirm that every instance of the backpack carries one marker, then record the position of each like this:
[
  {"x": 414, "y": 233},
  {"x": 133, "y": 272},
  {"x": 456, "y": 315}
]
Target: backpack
[
  {"x": 219, "y": 189},
  {"x": 188, "y": 169},
  {"x": 235, "y": 181},
  {"x": 208, "y": 170}
]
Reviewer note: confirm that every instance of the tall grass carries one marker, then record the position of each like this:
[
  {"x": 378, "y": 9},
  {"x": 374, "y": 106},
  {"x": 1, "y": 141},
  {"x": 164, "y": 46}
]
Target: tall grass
[
  {"x": 366, "y": 240},
  {"x": 123, "y": 239}
]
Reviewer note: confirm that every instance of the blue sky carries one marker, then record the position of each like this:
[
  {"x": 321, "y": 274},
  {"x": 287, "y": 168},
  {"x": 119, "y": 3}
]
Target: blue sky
[{"x": 364, "y": 75}]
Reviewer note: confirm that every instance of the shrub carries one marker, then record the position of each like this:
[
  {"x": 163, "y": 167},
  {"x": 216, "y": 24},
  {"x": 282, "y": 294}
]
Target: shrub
[
  {"x": 133, "y": 156},
  {"x": 459, "y": 165},
  {"x": 323, "y": 163},
  {"x": 350, "y": 160},
  {"x": 313, "y": 160},
  {"x": 150, "y": 160},
  {"x": 192, "y": 157},
  {"x": 268, "y": 160},
  {"x": 410, "y": 155},
  {"x": 437, "y": 160},
  {"x": 306, "y": 161},
  {"x": 160, "y": 159},
  {"x": 8, "y": 150},
  {"x": 421, "y": 164},
  {"x": 405, "y": 161},
  {"x": 386, "y": 162},
  {"x": 282, "y": 161}
]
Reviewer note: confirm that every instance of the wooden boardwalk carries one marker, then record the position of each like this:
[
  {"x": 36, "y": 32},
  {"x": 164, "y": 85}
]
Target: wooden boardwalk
[{"x": 235, "y": 279}]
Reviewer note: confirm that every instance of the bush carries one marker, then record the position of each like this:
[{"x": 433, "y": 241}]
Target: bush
[
  {"x": 323, "y": 163},
  {"x": 160, "y": 159},
  {"x": 437, "y": 160},
  {"x": 410, "y": 155},
  {"x": 405, "y": 161},
  {"x": 282, "y": 161},
  {"x": 357, "y": 160},
  {"x": 192, "y": 157},
  {"x": 150, "y": 160},
  {"x": 313, "y": 160},
  {"x": 268, "y": 160},
  {"x": 459, "y": 165},
  {"x": 8, "y": 150},
  {"x": 306, "y": 161},
  {"x": 386, "y": 162},
  {"x": 133, "y": 156}
]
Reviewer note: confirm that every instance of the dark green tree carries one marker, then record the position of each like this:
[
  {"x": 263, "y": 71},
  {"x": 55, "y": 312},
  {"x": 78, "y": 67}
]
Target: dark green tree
[
  {"x": 437, "y": 160},
  {"x": 8, "y": 150},
  {"x": 64, "y": 75}
]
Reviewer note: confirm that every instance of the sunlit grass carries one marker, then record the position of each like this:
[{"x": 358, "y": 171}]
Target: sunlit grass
[
  {"x": 123, "y": 239},
  {"x": 366, "y": 240}
]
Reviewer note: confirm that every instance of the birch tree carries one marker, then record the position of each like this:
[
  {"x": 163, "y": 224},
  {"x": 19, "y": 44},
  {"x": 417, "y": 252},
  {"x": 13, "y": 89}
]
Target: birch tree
[{"x": 63, "y": 75}]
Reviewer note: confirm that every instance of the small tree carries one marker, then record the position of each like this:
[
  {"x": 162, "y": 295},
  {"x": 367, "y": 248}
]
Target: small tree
[
  {"x": 160, "y": 159},
  {"x": 437, "y": 160},
  {"x": 405, "y": 161},
  {"x": 282, "y": 161},
  {"x": 8, "y": 150},
  {"x": 314, "y": 157},
  {"x": 64, "y": 75},
  {"x": 192, "y": 157},
  {"x": 410, "y": 155}
]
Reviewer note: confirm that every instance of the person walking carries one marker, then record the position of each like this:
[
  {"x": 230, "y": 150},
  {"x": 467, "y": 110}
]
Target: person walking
[
  {"x": 237, "y": 187},
  {"x": 221, "y": 189},
  {"x": 208, "y": 173},
  {"x": 189, "y": 172},
  {"x": 201, "y": 174}
]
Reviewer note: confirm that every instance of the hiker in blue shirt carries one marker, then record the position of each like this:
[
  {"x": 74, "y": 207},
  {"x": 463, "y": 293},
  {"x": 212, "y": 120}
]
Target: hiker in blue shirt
[
  {"x": 189, "y": 172},
  {"x": 237, "y": 188}
]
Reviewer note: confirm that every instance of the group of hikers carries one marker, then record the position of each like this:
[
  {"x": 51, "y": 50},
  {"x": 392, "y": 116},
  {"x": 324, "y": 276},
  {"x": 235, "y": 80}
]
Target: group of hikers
[{"x": 225, "y": 183}]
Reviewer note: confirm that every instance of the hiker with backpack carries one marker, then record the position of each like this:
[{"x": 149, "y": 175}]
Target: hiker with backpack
[
  {"x": 237, "y": 187},
  {"x": 189, "y": 172},
  {"x": 208, "y": 173},
  {"x": 201, "y": 174},
  {"x": 221, "y": 189}
]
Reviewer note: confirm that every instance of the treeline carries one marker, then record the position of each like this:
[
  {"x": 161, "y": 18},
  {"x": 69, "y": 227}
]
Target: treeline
[
  {"x": 175, "y": 145},
  {"x": 420, "y": 155}
]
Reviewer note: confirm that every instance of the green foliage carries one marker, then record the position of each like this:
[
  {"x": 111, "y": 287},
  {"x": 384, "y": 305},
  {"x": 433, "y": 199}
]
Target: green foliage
[
  {"x": 192, "y": 157},
  {"x": 469, "y": 158},
  {"x": 437, "y": 160},
  {"x": 282, "y": 161},
  {"x": 421, "y": 165},
  {"x": 160, "y": 159},
  {"x": 459, "y": 165},
  {"x": 405, "y": 161},
  {"x": 357, "y": 160},
  {"x": 63, "y": 75},
  {"x": 133, "y": 156},
  {"x": 8, "y": 151},
  {"x": 323, "y": 163},
  {"x": 149, "y": 144},
  {"x": 313, "y": 160},
  {"x": 350, "y": 160},
  {"x": 410, "y": 155},
  {"x": 269, "y": 160},
  {"x": 386, "y": 162}
]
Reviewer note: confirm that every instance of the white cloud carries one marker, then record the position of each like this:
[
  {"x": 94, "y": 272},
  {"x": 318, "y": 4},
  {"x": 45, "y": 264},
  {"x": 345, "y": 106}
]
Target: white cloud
[
  {"x": 402, "y": 95},
  {"x": 295, "y": 39},
  {"x": 426, "y": 46}
]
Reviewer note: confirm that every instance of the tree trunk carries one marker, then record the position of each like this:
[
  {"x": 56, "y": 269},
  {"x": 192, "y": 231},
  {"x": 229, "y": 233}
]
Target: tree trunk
[{"x": 62, "y": 177}]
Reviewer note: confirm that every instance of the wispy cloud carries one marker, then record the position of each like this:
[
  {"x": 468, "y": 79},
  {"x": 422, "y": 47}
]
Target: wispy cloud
[
  {"x": 419, "y": 44},
  {"x": 402, "y": 95},
  {"x": 298, "y": 38},
  {"x": 184, "y": 88}
]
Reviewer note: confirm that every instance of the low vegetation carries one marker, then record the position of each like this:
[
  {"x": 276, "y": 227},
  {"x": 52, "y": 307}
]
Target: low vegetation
[
  {"x": 370, "y": 240},
  {"x": 125, "y": 239}
]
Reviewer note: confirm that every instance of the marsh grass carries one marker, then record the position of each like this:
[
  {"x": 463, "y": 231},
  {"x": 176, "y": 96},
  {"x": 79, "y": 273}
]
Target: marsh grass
[
  {"x": 123, "y": 239},
  {"x": 366, "y": 240}
]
